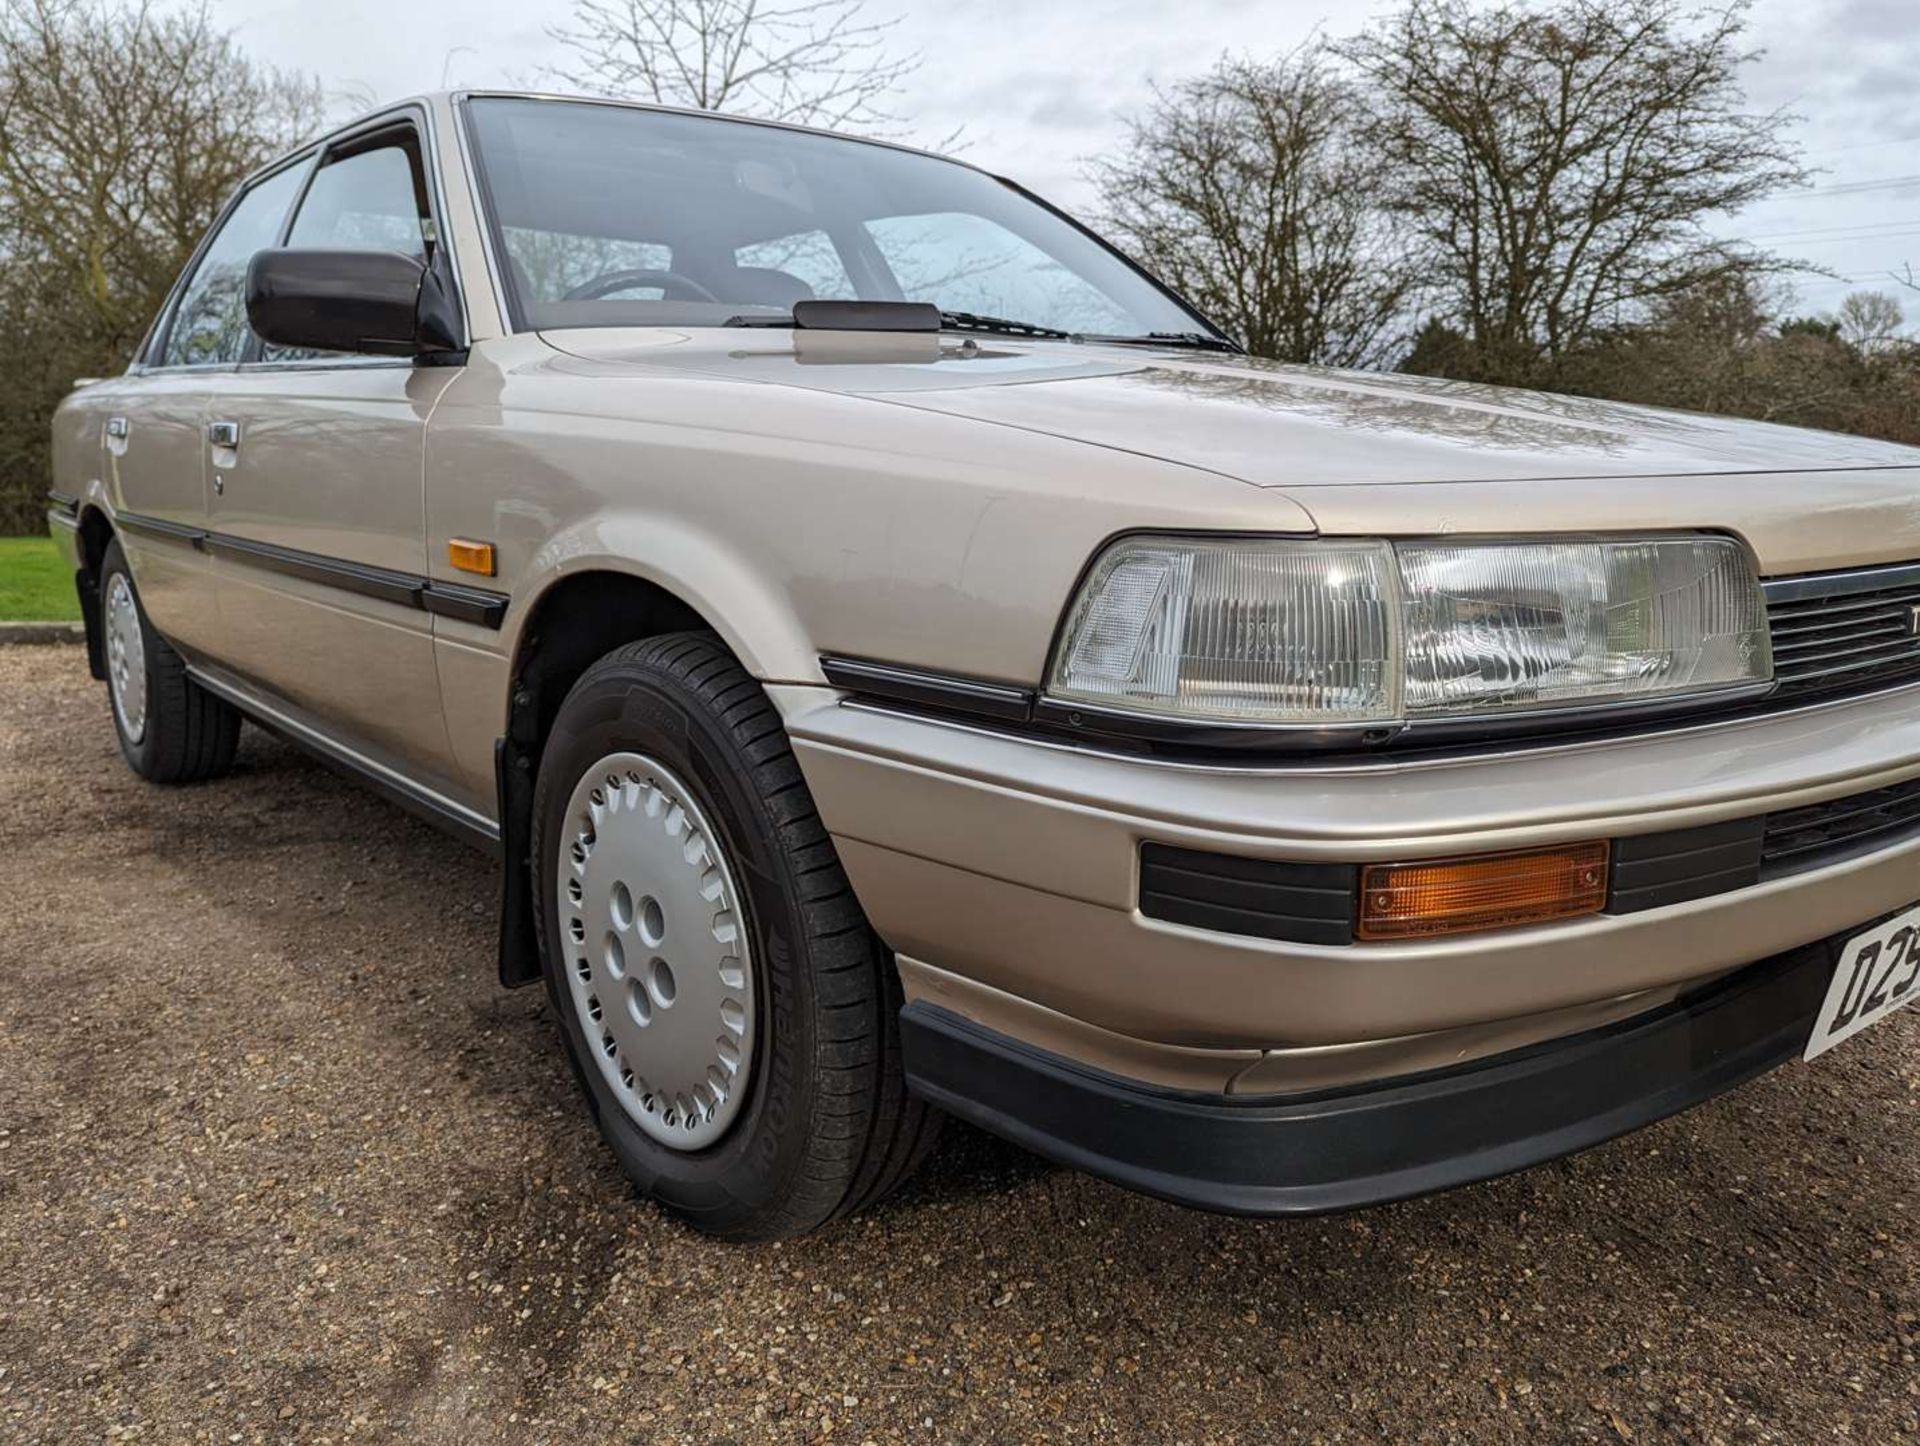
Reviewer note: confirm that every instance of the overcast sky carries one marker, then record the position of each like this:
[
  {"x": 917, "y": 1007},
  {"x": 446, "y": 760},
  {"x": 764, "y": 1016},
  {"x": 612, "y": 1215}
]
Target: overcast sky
[{"x": 1040, "y": 85}]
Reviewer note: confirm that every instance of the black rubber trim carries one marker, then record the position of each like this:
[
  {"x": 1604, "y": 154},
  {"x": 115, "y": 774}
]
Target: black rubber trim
[
  {"x": 1337, "y": 1150},
  {"x": 445, "y": 599},
  {"x": 973, "y": 697},
  {"x": 160, "y": 527},
  {"x": 375, "y": 582},
  {"x": 1650, "y": 871},
  {"x": 61, "y": 502},
  {"x": 1268, "y": 898},
  {"x": 466, "y": 604},
  {"x": 1024, "y": 712}
]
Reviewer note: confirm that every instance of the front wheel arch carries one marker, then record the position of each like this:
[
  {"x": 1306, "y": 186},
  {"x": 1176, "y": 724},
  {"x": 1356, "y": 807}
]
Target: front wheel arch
[
  {"x": 823, "y": 1124},
  {"x": 572, "y": 625}
]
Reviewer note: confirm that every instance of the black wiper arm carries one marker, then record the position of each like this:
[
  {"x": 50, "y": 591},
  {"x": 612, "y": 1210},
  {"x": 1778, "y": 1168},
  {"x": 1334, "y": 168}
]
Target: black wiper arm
[
  {"x": 973, "y": 321},
  {"x": 1192, "y": 340},
  {"x": 917, "y": 316},
  {"x": 894, "y": 316}
]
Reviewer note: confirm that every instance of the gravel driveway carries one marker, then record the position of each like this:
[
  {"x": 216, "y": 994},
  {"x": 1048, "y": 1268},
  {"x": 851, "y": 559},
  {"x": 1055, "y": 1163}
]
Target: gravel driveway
[{"x": 279, "y": 1161}]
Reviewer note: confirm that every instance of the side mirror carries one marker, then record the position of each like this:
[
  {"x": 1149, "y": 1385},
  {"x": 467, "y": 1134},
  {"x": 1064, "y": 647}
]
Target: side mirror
[{"x": 377, "y": 302}]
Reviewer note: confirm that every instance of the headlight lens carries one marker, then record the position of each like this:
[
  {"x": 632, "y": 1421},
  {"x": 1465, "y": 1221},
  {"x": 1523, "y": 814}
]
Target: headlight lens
[
  {"x": 1524, "y": 625},
  {"x": 1288, "y": 632},
  {"x": 1255, "y": 631}
]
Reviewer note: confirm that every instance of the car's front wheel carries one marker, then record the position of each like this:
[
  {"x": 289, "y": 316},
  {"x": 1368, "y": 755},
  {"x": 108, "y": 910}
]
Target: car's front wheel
[
  {"x": 731, "y": 1014},
  {"x": 171, "y": 730}
]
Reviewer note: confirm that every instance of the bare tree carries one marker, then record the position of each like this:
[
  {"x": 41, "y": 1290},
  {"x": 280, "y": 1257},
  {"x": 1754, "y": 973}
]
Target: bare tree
[
  {"x": 122, "y": 130},
  {"x": 1248, "y": 190},
  {"x": 815, "y": 62},
  {"x": 1870, "y": 321},
  {"x": 1729, "y": 346},
  {"x": 1557, "y": 162}
]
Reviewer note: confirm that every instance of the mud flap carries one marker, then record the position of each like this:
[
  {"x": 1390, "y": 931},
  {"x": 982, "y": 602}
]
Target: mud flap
[{"x": 513, "y": 768}]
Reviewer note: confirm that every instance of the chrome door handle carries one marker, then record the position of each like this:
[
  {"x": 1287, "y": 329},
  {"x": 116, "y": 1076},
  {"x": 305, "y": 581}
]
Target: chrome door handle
[
  {"x": 223, "y": 434},
  {"x": 116, "y": 427}
]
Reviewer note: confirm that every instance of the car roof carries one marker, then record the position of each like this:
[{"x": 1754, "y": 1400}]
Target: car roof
[{"x": 425, "y": 100}]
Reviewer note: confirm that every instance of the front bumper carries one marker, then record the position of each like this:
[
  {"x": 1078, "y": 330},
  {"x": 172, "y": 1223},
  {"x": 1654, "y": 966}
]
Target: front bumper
[
  {"x": 1336, "y": 1150},
  {"x": 1005, "y": 873}
]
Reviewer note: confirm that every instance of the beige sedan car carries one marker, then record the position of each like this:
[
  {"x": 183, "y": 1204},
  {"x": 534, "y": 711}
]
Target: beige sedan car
[{"x": 907, "y": 661}]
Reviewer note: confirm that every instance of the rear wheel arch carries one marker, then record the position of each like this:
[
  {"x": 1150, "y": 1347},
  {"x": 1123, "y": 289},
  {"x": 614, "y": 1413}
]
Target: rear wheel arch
[
  {"x": 96, "y": 535},
  {"x": 170, "y": 729}
]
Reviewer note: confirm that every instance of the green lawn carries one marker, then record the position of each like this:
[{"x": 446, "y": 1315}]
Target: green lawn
[{"x": 35, "y": 586}]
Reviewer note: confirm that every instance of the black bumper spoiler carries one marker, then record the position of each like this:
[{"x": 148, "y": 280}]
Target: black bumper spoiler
[{"x": 1310, "y": 1154}]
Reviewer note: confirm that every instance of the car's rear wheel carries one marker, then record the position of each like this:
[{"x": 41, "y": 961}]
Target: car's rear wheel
[
  {"x": 171, "y": 730},
  {"x": 731, "y": 1015}
]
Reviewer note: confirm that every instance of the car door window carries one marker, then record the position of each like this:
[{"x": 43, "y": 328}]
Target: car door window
[
  {"x": 209, "y": 326},
  {"x": 371, "y": 200},
  {"x": 966, "y": 262},
  {"x": 368, "y": 200}
]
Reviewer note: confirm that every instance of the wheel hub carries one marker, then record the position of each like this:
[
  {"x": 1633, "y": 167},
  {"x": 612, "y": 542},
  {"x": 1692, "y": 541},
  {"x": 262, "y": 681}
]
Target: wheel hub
[
  {"x": 657, "y": 957},
  {"x": 126, "y": 658}
]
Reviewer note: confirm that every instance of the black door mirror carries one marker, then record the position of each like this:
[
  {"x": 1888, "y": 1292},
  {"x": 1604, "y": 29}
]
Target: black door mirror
[{"x": 376, "y": 302}]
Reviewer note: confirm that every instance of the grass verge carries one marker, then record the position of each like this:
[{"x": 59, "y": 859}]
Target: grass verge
[{"x": 35, "y": 586}]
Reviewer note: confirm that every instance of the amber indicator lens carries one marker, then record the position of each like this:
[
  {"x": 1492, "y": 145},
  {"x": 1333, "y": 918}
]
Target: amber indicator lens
[
  {"x": 475, "y": 557},
  {"x": 1492, "y": 891}
]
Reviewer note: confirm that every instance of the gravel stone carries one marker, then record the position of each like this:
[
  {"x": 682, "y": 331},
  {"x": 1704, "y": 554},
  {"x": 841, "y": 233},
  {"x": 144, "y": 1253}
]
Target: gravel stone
[{"x": 280, "y": 1162}]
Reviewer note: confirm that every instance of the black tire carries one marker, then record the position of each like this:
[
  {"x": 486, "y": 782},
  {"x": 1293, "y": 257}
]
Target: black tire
[
  {"x": 190, "y": 735},
  {"x": 827, "y": 1126}
]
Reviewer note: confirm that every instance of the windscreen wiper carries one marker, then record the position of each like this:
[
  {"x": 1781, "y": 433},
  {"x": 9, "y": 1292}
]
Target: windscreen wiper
[
  {"x": 1191, "y": 340},
  {"x": 894, "y": 316},
  {"x": 922, "y": 316},
  {"x": 973, "y": 321}
]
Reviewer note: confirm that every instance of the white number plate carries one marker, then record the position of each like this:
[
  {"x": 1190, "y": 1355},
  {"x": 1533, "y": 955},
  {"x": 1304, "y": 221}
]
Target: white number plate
[{"x": 1879, "y": 971}]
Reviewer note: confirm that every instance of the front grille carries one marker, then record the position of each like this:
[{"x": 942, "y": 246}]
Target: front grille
[
  {"x": 1822, "y": 833},
  {"x": 1844, "y": 632}
]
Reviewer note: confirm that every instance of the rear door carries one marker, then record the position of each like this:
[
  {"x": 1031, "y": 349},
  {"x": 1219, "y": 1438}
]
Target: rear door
[
  {"x": 316, "y": 462},
  {"x": 155, "y": 417}
]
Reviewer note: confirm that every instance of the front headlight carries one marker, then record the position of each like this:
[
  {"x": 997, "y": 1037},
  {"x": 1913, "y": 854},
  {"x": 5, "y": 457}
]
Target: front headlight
[{"x": 1291, "y": 633}]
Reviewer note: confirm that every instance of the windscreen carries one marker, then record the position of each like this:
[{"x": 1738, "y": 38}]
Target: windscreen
[{"x": 614, "y": 216}]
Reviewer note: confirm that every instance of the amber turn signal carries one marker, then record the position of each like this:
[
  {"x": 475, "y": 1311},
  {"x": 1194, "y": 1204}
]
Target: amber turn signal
[
  {"x": 475, "y": 557},
  {"x": 1492, "y": 891}
]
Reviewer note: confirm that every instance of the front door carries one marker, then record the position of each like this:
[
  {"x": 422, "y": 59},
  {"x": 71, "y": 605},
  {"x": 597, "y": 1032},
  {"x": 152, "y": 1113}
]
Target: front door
[
  {"x": 317, "y": 465},
  {"x": 155, "y": 418}
]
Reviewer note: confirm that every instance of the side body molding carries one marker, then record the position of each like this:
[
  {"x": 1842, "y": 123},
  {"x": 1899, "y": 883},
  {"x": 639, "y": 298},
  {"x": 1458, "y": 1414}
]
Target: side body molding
[{"x": 470, "y": 604}]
